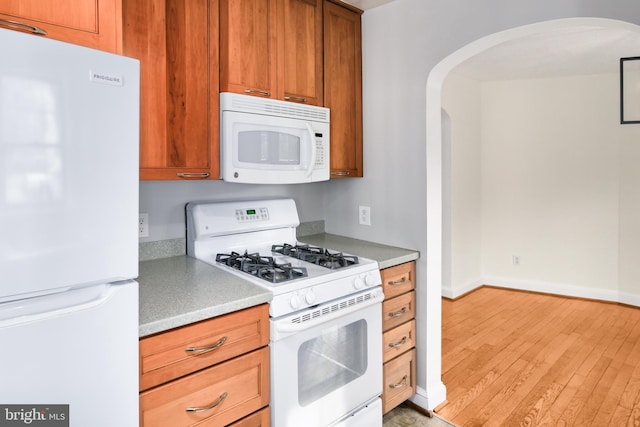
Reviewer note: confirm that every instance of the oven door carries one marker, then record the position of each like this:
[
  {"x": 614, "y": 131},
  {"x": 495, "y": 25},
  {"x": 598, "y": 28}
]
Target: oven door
[{"x": 329, "y": 370}]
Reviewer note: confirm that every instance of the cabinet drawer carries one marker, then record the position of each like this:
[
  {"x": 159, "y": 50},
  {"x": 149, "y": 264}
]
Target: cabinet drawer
[
  {"x": 398, "y": 279},
  {"x": 398, "y": 340},
  {"x": 398, "y": 310},
  {"x": 223, "y": 394},
  {"x": 399, "y": 380},
  {"x": 259, "y": 419},
  {"x": 181, "y": 351}
]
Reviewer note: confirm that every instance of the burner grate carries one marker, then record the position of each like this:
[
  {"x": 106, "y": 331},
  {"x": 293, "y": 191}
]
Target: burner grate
[
  {"x": 316, "y": 255},
  {"x": 264, "y": 267}
]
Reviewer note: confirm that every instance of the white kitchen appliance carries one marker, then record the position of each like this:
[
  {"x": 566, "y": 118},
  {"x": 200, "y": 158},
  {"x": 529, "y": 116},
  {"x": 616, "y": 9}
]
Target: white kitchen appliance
[
  {"x": 326, "y": 312},
  {"x": 267, "y": 141},
  {"x": 68, "y": 234}
]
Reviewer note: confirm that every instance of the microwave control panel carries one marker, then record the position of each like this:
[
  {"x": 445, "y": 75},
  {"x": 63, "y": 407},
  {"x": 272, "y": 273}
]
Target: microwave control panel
[{"x": 320, "y": 158}]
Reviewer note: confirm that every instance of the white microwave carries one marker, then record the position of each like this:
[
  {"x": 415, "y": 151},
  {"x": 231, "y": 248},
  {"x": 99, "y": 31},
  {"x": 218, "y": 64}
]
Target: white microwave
[{"x": 266, "y": 141}]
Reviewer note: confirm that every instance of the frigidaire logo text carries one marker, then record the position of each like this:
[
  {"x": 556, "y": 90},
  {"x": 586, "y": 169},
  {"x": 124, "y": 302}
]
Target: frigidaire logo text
[{"x": 36, "y": 415}]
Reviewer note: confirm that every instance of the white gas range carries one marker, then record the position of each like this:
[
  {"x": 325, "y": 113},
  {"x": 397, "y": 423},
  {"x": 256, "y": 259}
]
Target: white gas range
[{"x": 326, "y": 331}]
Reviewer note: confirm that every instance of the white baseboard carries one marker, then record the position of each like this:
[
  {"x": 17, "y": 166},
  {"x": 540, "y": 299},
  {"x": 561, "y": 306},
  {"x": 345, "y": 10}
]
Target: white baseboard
[
  {"x": 429, "y": 399},
  {"x": 449, "y": 292},
  {"x": 546, "y": 287}
]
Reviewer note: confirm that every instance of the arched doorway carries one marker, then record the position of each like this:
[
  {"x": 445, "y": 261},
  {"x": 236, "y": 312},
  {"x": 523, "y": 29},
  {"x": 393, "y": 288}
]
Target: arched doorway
[{"x": 437, "y": 259}]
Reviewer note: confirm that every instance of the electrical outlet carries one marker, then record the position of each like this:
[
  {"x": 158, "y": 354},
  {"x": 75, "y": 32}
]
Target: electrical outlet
[
  {"x": 364, "y": 215},
  {"x": 143, "y": 225},
  {"x": 515, "y": 260}
]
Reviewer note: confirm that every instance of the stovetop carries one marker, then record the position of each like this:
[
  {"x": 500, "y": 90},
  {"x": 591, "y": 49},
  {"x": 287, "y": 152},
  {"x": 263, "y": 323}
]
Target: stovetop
[
  {"x": 256, "y": 240},
  {"x": 277, "y": 269},
  {"x": 264, "y": 267}
]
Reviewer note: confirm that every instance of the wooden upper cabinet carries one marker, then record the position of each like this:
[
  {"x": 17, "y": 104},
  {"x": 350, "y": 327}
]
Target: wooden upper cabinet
[
  {"x": 300, "y": 51},
  {"x": 92, "y": 23},
  {"x": 272, "y": 48},
  {"x": 343, "y": 87},
  {"x": 177, "y": 44},
  {"x": 248, "y": 47}
]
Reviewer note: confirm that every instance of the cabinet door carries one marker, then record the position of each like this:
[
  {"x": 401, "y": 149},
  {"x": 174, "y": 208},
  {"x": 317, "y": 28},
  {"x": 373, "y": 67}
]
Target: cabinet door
[
  {"x": 343, "y": 88},
  {"x": 248, "y": 47},
  {"x": 92, "y": 23},
  {"x": 300, "y": 51},
  {"x": 176, "y": 42}
]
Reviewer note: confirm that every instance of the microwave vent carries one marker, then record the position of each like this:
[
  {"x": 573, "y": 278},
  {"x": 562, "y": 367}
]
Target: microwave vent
[{"x": 271, "y": 107}]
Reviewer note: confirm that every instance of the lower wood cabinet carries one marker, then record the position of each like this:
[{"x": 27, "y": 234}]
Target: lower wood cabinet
[
  {"x": 399, "y": 376},
  {"x": 215, "y": 396},
  {"x": 261, "y": 418},
  {"x": 210, "y": 373},
  {"x": 399, "y": 332}
]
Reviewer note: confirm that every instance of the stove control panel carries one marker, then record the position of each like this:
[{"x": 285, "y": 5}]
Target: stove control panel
[{"x": 252, "y": 215}]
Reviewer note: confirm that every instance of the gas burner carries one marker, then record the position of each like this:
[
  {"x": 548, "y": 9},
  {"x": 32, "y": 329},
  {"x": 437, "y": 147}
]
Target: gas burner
[
  {"x": 316, "y": 255},
  {"x": 264, "y": 267}
]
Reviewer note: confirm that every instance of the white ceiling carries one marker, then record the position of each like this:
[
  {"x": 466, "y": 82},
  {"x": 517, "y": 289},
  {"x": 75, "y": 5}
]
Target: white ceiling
[{"x": 563, "y": 52}]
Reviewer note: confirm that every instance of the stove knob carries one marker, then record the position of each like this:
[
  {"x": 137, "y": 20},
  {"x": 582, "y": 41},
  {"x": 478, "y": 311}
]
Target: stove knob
[
  {"x": 370, "y": 280},
  {"x": 310, "y": 297},
  {"x": 358, "y": 283},
  {"x": 295, "y": 301}
]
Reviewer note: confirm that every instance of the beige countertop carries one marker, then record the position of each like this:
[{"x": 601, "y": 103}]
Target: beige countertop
[
  {"x": 180, "y": 290},
  {"x": 176, "y": 290}
]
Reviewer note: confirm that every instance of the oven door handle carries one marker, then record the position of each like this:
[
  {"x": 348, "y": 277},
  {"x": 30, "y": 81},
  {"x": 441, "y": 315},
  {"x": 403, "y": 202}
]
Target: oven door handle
[{"x": 286, "y": 326}]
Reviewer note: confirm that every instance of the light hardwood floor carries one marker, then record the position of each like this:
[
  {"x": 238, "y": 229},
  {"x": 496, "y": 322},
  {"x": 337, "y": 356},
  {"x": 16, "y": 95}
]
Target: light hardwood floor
[{"x": 514, "y": 358}]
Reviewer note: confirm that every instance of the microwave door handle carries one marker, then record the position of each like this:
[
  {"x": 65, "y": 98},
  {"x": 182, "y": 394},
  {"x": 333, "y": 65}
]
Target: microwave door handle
[{"x": 312, "y": 163}]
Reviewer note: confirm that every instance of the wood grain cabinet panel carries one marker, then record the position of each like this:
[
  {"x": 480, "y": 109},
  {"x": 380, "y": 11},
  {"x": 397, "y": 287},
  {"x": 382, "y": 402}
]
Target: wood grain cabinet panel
[
  {"x": 272, "y": 49},
  {"x": 398, "y": 279},
  {"x": 399, "y": 380},
  {"x": 398, "y": 340},
  {"x": 92, "y": 23},
  {"x": 248, "y": 47},
  {"x": 399, "y": 334},
  {"x": 259, "y": 419},
  {"x": 177, "y": 44},
  {"x": 217, "y": 367},
  {"x": 343, "y": 88},
  {"x": 215, "y": 396},
  {"x": 300, "y": 77},
  {"x": 184, "y": 350},
  {"x": 398, "y": 310}
]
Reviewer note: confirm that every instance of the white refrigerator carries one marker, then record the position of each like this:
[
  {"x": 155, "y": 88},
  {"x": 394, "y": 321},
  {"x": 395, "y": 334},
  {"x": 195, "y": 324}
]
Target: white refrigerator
[{"x": 69, "y": 132}]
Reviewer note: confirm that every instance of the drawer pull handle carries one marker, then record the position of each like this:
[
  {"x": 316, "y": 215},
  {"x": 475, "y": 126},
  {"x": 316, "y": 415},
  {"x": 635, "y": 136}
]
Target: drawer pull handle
[
  {"x": 340, "y": 173},
  {"x": 398, "y": 313},
  {"x": 398, "y": 282},
  {"x": 206, "y": 348},
  {"x": 400, "y": 384},
  {"x": 257, "y": 92},
  {"x": 221, "y": 399},
  {"x": 295, "y": 99},
  {"x": 7, "y": 23},
  {"x": 193, "y": 175},
  {"x": 400, "y": 343}
]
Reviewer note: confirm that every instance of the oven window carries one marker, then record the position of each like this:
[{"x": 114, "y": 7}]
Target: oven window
[
  {"x": 331, "y": 360},
  {"x": 268, "y": 147}
]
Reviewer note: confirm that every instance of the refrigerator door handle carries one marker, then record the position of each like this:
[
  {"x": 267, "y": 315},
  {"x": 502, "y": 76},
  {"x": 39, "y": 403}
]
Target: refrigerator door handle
[{"x": 52, "y": 305}]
